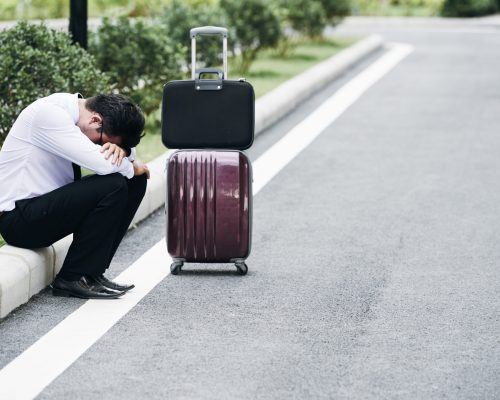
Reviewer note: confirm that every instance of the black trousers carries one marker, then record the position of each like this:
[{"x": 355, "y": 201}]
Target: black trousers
[{"x": 98, "y": 211}]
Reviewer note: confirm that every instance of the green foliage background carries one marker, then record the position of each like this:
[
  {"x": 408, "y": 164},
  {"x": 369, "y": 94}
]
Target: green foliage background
[
  {"x": 469, "y": 8},
  {"x": 36, "y": 61},
  {"x": 179, "y": 17},
  {"x": 255, "y": 25},
  {"x": 137, "y": 56},
  {"x": 15, "y": 9}
]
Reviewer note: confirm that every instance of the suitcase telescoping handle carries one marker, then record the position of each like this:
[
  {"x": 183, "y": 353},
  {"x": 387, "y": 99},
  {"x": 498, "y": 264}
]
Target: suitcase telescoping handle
[{"x": 208, "y": 30}]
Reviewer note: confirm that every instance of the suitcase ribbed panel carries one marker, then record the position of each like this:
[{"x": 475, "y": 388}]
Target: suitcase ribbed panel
[
  {"x": 209, "y": 205},
  {"x": 202, "y": 207}
]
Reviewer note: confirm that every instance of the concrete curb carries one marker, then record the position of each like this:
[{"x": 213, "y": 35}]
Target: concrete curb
[{"x": 24, "y": 273}]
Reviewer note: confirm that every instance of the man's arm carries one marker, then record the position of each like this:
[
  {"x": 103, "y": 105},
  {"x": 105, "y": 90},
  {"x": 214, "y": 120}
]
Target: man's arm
[
  {"x": 117, "y": 154},
  {"x": 54, "y": 131},
  {"x": 140, "y": 168}
]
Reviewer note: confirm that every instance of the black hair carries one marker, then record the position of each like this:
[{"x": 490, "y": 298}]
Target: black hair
[{"x": 120, "y": 117}]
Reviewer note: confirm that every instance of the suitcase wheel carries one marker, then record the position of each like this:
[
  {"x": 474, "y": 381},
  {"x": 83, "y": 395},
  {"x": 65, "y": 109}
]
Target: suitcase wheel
[
  {"x": 242, "y": 268},
  {"x": 176, "y": 267}
]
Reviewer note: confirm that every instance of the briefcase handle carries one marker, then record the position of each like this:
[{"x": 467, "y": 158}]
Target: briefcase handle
[
  {"x": 208, "y": 30},
  {"x": 208, "y": 84}
]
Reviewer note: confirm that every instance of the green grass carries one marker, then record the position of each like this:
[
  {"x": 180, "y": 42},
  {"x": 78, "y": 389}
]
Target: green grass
[
  {"x": 406, "y": 11},
  {"x": 266, "y": 73},
  {"x": 2, "y": 242},
  {"x": 271, "y": 70},
  {"x": 405, "y": 8}
]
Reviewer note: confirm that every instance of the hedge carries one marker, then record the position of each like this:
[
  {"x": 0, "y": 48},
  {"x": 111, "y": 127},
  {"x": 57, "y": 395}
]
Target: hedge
[
  {"x": 469, "y": 8},
  {"x": 36, "y": 61},
  {"x": 137, "y": 57}
]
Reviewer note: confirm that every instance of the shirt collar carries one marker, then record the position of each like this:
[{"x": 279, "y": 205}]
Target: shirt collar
[{"x": 74, "y": 109}]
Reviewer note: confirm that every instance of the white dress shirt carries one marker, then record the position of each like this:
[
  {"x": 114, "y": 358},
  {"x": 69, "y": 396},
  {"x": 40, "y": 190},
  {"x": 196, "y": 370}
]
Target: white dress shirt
[{"x": 39, "y": 150}]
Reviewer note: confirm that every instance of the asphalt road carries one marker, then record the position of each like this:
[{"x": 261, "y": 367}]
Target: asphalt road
[{"x": 374, "y": 270}]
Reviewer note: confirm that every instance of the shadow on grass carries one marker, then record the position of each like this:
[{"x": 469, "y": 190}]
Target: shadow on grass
[
  {"x": 264, "y": 74},
  {"x": 298, "y": 57}
]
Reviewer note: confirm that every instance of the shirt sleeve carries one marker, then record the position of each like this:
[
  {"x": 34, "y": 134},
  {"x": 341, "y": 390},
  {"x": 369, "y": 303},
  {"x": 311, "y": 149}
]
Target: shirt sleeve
[
  {"x": 133, "y": 155},
  {"x": 54, "y": 131}
]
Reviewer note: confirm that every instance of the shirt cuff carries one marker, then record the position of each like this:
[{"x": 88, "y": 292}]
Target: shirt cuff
[
  {"x": 133, "y": 155},
  {"x": 130, "y": 173}
]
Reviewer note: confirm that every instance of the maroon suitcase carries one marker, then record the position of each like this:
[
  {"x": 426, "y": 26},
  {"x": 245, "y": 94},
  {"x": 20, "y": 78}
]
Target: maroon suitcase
[{"x": 209, "y": 207}]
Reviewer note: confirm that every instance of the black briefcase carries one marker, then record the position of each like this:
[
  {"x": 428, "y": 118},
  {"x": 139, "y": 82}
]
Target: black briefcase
[{"x": 214, "y": 113}]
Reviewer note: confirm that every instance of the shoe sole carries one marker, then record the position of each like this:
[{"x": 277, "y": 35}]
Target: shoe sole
[
  {"x": 123, "y": 290},
  {"x": 65, "y": 293},
  {"x": 126, "y": 290}
]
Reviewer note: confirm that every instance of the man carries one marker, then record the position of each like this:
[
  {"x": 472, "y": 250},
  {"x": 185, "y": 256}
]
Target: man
[{"x": 43, "y": 199}]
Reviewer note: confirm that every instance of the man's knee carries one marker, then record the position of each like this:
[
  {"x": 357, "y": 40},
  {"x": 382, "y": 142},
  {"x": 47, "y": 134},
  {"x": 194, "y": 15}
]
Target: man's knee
[
  {"x": 111, "y": 188},
  {"x": 115, "y": 182},
  {"x": 137, "y": 185}
]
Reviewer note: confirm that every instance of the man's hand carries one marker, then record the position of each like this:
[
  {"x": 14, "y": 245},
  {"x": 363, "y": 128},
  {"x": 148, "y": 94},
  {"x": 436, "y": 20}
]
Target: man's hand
[
  {"x": 110, "y": 149},
  {"x": 140, "y": 168}
]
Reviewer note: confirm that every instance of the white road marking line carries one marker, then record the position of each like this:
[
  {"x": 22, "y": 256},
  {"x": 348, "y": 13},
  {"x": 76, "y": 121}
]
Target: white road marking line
[
  {"x": 29, "y": 373},
  {"x": 300, "y": 136}
]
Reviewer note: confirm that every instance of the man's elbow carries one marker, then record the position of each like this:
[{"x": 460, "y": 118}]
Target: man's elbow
[{"x": 107, "y": 170}]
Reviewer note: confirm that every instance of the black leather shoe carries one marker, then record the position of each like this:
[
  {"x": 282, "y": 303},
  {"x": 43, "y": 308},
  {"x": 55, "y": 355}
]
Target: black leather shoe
[
  {"x": 110, "y": 284},
  {"x": 83, "y": 288}
]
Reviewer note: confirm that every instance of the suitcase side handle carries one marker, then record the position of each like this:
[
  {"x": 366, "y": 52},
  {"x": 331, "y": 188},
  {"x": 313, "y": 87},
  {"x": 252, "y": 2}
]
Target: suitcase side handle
[{"x": 208, "y": 30}]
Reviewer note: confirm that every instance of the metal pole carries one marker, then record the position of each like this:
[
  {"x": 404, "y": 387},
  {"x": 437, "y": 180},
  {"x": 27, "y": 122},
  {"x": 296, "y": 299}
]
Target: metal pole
[
  {"x": 78, "y": 22},
  {"x": 193, "y": 57}
]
